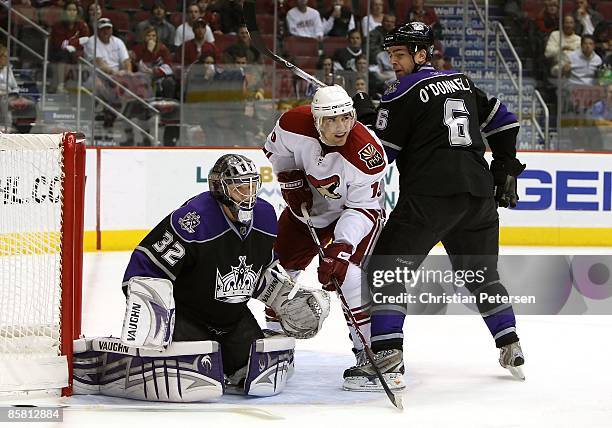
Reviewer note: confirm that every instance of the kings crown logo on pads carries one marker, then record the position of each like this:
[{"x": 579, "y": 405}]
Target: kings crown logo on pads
[
  {"x": 189, "y": 222},
  {"x": 237, "y": 285},
  {"x": 372, "y": 157}
]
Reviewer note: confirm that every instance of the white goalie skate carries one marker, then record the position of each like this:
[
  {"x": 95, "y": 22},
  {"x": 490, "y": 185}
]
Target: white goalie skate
[
  {"x": 511, "y": 358},
  {"x": 362, "y": 376}
]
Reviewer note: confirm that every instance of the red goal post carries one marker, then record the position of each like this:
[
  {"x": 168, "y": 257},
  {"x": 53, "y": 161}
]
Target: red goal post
[{"x": 42, "y": 186}]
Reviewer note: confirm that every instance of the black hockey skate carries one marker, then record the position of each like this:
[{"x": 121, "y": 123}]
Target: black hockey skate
[{"x": 362, "y": 376}]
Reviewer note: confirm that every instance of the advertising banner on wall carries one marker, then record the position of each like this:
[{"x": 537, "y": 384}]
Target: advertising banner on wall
[{"x": 565, "y": 199}]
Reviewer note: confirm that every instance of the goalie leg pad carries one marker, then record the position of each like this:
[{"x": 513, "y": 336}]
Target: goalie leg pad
[
  {"x": 149, "y": 313},
  {"x": 185, "y": 372},
  {"x": 269, "y": 364}
]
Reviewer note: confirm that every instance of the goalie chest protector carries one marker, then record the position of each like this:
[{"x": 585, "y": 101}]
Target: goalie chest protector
[{"x": 214, "y": 263}]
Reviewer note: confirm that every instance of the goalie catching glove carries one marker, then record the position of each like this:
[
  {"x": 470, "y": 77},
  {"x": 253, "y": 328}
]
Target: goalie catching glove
[{"x": 301, "y": 311}]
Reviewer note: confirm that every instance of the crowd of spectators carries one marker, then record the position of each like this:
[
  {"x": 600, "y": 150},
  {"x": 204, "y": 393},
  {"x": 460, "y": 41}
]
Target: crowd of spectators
[
  {"x": 577, "y": 54},
  {"x": 147, "y": 46}
]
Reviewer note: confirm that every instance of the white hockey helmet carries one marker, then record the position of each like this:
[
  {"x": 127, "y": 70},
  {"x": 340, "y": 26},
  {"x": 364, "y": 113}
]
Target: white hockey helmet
[{"x": 330, "y": 101}]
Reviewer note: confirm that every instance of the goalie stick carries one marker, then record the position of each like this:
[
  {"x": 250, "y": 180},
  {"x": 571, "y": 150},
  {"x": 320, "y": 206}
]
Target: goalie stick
[
  {"x": 395, "y": 399},
  {"x": 248, "y": 10}
]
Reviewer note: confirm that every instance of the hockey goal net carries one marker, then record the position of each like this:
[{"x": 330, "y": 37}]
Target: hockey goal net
[{"x": 41, "y": 250}]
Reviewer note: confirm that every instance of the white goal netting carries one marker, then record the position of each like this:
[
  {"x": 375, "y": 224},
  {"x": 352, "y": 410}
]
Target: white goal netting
[{"x": 31, "y": 198}]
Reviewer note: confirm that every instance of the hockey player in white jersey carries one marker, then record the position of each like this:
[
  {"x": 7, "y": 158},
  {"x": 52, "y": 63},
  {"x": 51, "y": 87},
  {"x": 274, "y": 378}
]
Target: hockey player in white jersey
[{"x": 325, "y": 159}]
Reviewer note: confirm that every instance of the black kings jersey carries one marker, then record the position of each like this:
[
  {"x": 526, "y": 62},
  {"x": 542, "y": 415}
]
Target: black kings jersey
[
  {"x": 431, "y": 121},
  {"x": 214, "y": 264}
]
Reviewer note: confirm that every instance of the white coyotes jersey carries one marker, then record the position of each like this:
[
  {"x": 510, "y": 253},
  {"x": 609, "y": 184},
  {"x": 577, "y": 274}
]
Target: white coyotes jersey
[{"x": 347, "y": 182}]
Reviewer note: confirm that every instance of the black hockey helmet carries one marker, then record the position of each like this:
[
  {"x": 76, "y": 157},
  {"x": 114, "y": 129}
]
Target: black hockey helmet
[
  {"x": 235, "y": 170},
  {"x": 414, "y": 35}
]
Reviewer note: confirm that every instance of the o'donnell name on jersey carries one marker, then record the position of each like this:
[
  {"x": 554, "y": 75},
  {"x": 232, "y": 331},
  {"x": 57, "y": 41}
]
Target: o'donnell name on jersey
[
  {"x": 444, "y": 87},
  {"x": 427, "y": 298}
]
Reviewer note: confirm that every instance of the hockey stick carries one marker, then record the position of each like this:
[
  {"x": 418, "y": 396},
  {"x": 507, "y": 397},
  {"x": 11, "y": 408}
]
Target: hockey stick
[
  {"x": 396, "y": 400},
  {"x": 248, "y": 10}
]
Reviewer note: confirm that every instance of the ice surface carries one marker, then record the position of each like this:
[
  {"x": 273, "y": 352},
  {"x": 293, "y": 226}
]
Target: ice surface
[{"x": 453, "y": 376}]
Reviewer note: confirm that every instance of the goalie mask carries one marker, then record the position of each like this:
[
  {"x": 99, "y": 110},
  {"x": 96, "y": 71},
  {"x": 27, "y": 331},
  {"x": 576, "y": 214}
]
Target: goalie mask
[
  {"x": 329, "y": 102},
  {"x": 235, "y": 182}
]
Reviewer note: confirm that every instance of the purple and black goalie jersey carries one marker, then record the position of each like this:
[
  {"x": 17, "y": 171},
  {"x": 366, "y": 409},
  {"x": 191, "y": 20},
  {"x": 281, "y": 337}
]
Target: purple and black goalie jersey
[
  {"x": 431, "y": 121},
  {"x": 214, "y": 263}
]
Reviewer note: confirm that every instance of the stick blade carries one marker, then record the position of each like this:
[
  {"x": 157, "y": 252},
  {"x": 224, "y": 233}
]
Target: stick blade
[{"x": 396, "y": 399}]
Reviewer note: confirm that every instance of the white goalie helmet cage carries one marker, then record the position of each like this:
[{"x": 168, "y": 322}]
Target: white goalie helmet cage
[{"x": 330, "y": 101}]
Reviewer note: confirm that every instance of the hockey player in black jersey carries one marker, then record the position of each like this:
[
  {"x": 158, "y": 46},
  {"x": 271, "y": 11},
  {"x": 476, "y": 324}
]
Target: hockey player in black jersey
[
  {"x": 187, "y": 286},
  {"x": 431, "y": 122}
]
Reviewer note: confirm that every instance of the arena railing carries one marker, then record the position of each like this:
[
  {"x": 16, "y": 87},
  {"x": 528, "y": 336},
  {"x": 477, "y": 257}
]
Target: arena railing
[
  {"x": 44, "y": 57},
  {"x": 96, "y": 71}
]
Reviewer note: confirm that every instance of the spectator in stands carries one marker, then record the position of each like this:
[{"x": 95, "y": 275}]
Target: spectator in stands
[
  {"x": 338, "y": 20},
  {"x": 253, "y": 74},
  {"x": 65, "y": 44},
  {"x": 374, "y": 19},
  {"x": 304, "y": 21},
  {"x": 570, "y": 41},
  {"x": 377, "y": 36},
  {"x": 426, "y": 15},
  {"x": 230, "y": 12},
  {"x": 384, "y": 68},
  {"x": 111, "y": 55},
  {"x": 581, "y": 65},
  {"x": 94, "y": 12},
  {"x": 164, "y": 29},
  {"x": 360, "y": 85},
  {"x": 602, "y": 110},
  {"x": 197, "y": 49},
  {"x": 547, "y": 19},
  {"x": 375, "y": 84},
  {"x": 325, "y": 70},
  {"x": 152, "y": 57},
  {"x": 603, "y": 38},
  {"x": 586, "y": 18},
  {"x": 344, "y": 58},
  {"x": 13, "y": 90},
  {"x": 243, "y": 44},
  {"x": 215, "y": 96},
  {"x": 205, "y": 5},
  {"x": 193, "y": 14}
]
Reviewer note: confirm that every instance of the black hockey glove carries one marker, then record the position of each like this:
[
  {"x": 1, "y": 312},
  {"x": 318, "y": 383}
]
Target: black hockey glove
[
  {"x": 504, "y": 177},
  {"x": 366, "y": 112}
]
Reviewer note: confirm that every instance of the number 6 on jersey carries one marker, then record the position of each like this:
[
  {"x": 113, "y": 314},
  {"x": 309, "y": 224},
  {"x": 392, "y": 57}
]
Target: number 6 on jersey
[{"x": 458, "y": 126}]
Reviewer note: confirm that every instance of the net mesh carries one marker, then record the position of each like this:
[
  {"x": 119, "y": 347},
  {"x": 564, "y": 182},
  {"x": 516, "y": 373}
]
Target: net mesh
[{"x": 30, "y": 250}]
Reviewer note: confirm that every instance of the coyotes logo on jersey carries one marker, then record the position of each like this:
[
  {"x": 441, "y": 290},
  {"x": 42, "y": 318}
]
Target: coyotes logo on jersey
[
  {"x": 372, "y": 157},
  {"x": 326, "y": 186}
]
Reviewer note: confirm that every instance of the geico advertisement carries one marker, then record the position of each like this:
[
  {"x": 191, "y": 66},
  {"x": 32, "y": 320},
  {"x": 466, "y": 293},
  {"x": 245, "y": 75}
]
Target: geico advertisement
[
  {"x": 563, "y": 189},
  {"x": 139, "y": 187}
]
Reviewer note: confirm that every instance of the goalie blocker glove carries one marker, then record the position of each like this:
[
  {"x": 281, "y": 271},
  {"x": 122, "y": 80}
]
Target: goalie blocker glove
[{"x": 505, "y": 173}]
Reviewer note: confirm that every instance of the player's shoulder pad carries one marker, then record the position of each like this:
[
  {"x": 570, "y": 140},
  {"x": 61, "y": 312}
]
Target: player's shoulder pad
[
  {"x": 299, "y": 120},
  {"x": 264, "y": 217},
  {"x": 404, "y": 85},
  {"x": 364, "y": 151},
  {"x": 200, "y": 219}
]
